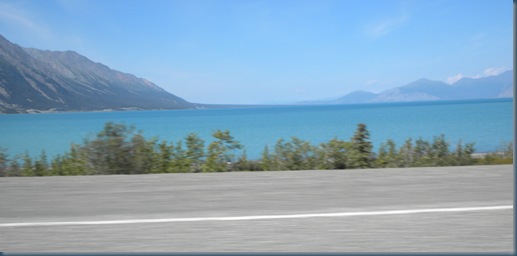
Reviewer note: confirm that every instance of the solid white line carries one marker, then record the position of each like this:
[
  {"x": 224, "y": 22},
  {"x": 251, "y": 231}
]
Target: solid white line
[{"x": 258, "y": 217}]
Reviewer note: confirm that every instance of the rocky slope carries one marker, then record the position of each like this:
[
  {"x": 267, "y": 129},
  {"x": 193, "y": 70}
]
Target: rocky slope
[{"x": 33, "y": 80}]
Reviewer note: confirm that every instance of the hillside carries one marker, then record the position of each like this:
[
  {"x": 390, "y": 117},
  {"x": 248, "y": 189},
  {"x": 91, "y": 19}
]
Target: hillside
[{"x": 33, "y": 80}]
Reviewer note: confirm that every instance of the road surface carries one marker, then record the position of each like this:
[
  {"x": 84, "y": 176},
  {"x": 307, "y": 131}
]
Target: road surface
[{"x": 448, "y": 209}]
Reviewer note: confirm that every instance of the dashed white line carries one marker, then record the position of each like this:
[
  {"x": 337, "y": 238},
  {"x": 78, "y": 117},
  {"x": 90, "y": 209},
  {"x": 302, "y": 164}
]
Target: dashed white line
[{"x": 259, "y": 217}]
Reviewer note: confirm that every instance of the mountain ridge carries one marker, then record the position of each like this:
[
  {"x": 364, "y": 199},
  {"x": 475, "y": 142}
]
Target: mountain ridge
[
  {"x": 33, "y": 80},
  {"x": 499, "y": 86}
]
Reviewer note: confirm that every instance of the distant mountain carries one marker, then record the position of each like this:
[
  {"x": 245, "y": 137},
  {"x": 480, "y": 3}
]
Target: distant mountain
[
  {"x": 355, "y": 97},
  {"x": 33, "y": 80},
  {"x": 500, "y": 86}
]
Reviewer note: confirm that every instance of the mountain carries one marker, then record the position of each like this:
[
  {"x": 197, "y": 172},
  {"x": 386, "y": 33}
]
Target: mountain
[
  {"x": 33, "y": 80},
  {"x": 355, "y": 97},
  {"x": 500, "y": 86}
]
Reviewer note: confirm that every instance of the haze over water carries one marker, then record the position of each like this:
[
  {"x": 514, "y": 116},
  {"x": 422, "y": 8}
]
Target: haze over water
[{"x": 488, "y": 123}]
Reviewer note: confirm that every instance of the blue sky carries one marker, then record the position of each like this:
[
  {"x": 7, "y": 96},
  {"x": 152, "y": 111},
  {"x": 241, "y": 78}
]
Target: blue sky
[{"x": 273, "y": 51}]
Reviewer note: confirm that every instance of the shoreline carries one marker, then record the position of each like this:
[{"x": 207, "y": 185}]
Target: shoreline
[{"x": 480, "y": 155}]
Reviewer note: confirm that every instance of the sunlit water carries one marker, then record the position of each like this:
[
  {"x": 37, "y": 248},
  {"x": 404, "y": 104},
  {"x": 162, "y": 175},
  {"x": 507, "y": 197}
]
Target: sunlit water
[{"x": 488, "y": 123}]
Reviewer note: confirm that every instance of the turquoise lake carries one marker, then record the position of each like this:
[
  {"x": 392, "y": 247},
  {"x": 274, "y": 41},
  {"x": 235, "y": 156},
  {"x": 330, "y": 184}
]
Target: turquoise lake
[{"x": 488, "y": 123}]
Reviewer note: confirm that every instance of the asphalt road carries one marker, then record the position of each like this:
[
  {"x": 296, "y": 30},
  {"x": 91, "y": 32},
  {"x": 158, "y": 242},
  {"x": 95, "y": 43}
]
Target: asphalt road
[{"x": 150, "y": 197}]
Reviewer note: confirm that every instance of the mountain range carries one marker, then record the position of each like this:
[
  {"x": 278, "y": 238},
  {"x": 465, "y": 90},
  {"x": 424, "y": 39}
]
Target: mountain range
[
  {"x": 34, "y": 80},
  {"x": 500, "y": 86}
]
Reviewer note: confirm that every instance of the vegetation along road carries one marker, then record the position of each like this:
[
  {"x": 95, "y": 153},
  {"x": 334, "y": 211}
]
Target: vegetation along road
[{"x": 439, "y": 209}]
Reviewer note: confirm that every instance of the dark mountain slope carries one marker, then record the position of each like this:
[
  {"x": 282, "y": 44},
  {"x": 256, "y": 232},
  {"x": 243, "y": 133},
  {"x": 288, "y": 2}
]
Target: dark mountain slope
[{"x": 35, "y": 80}]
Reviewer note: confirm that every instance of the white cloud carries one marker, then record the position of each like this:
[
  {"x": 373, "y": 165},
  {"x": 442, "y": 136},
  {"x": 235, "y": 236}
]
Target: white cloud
[
  {"x": 494, "y": 71},
  {"x": 454, "y": 79}
]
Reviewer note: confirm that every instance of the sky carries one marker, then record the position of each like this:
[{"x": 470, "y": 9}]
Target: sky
[{"x": 273, "y": 51}]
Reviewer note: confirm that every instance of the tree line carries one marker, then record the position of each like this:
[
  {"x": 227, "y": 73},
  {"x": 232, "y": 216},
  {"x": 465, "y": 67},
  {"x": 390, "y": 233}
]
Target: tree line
[{"x": 121, "y": 149}]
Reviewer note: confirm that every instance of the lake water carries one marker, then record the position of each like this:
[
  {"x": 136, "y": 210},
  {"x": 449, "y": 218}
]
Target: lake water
[{"x": 488, "y": 123}]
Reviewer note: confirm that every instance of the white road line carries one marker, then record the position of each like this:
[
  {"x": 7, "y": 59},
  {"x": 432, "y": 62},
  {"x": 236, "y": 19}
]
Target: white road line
[{"x": 259, "y": 217}]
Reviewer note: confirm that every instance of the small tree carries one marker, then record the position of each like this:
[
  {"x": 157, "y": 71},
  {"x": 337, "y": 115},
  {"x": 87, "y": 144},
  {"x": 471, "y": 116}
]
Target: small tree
[
  {"x": 141, "y": 154},
  {"x": 422, "y": 153},
  {"x": 195, "y": 151},
  {"x": 220, "y": 152},
  {"x": 110, "y": 152},
  {"x": 27, "y": 166},
  {"x": 266, "y": 162},
  {"x": 180, "y": 162},
  {"x": 440, "y": 151},
  {"x": 215, "y": 161},
  {"x": 41, "y": 165},
  {"x": 163, "y": 158},
  {"x": 14, "y": 168},
  {"x": 361, "y": 148},
  {"x": 243, "y": 164},
  {"x": 333, "y": 155},
  {"x": 388, "y": 156},
  {"x": 77, "y": 162},
  {"x": 281, "y": 157},
  {"x": 296, "y": 154},
  {"x": 406, "y": 154},
  {"x": 463, "y": 154}
]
